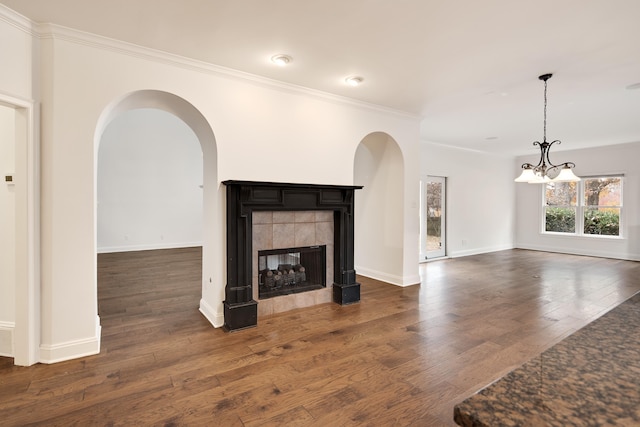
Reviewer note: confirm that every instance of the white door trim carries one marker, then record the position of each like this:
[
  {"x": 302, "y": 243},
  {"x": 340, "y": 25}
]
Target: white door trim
[{"x": 27, "y": 228}]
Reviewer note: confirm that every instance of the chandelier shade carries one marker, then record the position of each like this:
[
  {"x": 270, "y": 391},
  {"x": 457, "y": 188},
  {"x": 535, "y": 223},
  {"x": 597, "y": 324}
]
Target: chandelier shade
[{"x": 545, "y": 171}]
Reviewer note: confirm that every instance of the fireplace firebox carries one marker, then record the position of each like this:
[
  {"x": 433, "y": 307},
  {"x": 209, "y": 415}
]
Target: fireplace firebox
[
  {"x": 246, "y": 197},
  {"x": 291, "y": 270}
]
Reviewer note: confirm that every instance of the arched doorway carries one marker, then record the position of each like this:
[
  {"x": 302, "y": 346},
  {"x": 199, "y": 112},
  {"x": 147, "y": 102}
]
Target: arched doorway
[
  {"x": 149, "y": 183},
  {"x": 379, "y": 217},
  {"x": 212, "y": 193}
]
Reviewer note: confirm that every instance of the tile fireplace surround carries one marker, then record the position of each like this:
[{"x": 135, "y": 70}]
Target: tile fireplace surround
[
  {"x": 267, "y": 215},
  {"x": 282, "y": 229}
]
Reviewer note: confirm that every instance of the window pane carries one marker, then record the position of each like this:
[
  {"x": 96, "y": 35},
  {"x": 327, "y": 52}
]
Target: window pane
[
  {"x": 603, "y": 192},
  {"x": 560, "y": 220},
  {"x": 561, "y": 194},
  {"x": 604, "y": 221},
  {"x": 434, "y": 216}
]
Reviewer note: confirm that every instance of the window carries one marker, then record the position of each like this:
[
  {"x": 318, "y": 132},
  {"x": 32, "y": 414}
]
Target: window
[
  {"x": 590, "y": 207},
  {"x": 560, "y": 207}
]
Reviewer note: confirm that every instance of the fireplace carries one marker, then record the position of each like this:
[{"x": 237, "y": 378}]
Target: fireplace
[
  {"x": 291, "y": 271},
  {"x": 248, "y": 204}
]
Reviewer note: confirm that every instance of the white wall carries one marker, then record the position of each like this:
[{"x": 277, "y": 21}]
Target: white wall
[
  {"x": 379, "y": 222},
  {"x": 19, "y": 86},
  {"x": 81, "y": 76},
  {"x": 7, "y": 232},
  {"x": 479, "y": 199},
  {"x": 17, "y": 47},
  {"x": 613, "y": 159},
  {"x": 149, "y": 183}
]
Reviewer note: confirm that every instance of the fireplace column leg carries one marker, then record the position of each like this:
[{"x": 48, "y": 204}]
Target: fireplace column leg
[
  {"x": 240, "y": 309},
  {"x": 345, "y": 288},
  {"x": 345, "y": 294},
  {"x": 241, "y": 315}
]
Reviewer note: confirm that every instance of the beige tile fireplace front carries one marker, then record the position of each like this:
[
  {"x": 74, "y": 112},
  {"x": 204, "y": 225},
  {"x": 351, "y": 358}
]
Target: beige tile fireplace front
[{"x": 280, "y": 229}]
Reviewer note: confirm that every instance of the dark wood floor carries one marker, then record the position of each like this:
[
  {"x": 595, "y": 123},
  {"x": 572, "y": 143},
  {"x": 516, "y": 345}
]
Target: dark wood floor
[{"x": 403, "y": 356}]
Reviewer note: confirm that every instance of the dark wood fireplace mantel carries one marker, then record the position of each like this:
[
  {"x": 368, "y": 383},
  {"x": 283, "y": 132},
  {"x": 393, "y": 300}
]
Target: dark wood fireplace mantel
[{"x": 245, "y": 197}]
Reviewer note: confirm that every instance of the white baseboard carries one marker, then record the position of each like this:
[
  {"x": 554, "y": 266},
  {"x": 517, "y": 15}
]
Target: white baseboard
[
  {"x": 388, "y": 278},
  {"x": 588, "y": 252},
  {"x": 6, "y": 338},
  {"x": 76, "y": 349},
  {"x": 147, "y": 247},
  {"x": 478, "y": 251},
  {"x": 215, "y": 318}
]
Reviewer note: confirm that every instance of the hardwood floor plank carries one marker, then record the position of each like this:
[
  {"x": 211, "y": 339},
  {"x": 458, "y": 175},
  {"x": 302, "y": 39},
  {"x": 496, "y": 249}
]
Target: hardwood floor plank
[{"x": 402, "y": 356}]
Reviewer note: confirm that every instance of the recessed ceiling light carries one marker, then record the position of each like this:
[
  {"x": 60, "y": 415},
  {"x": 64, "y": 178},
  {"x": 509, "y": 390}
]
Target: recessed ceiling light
[
  {"x": 281, "y": 59},
  {"x": 634, "y": 86},
  {"x": 491, "y": 138},
  {"x": 354, "y": 80}
]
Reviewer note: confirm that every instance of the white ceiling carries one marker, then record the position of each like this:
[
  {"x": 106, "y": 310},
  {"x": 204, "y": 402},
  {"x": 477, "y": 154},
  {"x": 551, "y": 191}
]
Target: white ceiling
[{"x": 469, "y": 68}]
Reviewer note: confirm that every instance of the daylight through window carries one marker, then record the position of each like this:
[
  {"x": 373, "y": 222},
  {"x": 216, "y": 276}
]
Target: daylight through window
[{"x": 590, "y": 207}]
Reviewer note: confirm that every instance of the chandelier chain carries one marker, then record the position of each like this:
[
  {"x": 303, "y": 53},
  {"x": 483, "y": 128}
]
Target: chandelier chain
[{"x": 544, "y": 133}]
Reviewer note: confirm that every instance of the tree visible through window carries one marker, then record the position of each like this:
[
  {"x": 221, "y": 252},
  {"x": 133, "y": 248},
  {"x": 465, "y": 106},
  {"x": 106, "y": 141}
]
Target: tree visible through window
[
  {"x": 592, "y": 206},
  {"x": 434, "y": 215},
  {"x": 603, "y": 202},
  {"x": 560, "y": 207}
]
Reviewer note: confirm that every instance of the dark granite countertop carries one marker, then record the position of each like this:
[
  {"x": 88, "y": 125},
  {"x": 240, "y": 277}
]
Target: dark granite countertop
[{"x": 591, "y": 378}]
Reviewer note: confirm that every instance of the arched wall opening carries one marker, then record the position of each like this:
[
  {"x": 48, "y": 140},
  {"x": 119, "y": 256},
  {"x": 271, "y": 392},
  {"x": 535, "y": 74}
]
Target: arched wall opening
[
  {"x": 149, "y": 184},
  {"x": 379, "y": 208},
  {"x": 212, "y": 233}
]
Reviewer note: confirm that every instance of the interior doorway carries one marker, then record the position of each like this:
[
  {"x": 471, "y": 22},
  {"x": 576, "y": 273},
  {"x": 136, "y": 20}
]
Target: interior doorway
[
  {"x": 209, "y": 186},
  {"x": 432, "y": 217},
  {"x": 379, "y": 167},
  {"x": 19, "y": 228},
  {"x": 149, "y": 183}
]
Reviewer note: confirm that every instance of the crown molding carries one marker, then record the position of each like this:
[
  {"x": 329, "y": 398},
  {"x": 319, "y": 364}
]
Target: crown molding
[
  {"x": 58, "y": 32},
  {"x": 48, "y": 31},
  {"x": 18, "y": 21}
]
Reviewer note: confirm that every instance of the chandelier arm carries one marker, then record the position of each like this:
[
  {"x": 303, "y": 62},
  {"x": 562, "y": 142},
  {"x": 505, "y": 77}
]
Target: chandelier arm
[
  {"x": 551, "y": 165},
  {"x": 542, "y": 150}
]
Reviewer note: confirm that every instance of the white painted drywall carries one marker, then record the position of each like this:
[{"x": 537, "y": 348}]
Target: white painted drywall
[
  {"x": 7, "y": 231},
  {"x": 379, "y": 206},
  {"x": 480, "y": 188},
  {"x": 613, "y": 159},
  {"x": 264, "y": 131},
  {"x": 149, "y": 183},
  {"x": 17, "y": 46}
]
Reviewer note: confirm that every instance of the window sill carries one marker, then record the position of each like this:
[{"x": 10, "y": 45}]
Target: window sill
[{"x": 582, "y": 236}]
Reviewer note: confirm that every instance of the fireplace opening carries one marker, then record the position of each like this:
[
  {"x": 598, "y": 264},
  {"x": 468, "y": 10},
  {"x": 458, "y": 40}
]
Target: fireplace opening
[{"x": 291, "y": 270}]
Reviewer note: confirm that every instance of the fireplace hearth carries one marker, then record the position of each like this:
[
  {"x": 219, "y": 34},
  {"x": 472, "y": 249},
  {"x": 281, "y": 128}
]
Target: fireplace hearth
[{"x": 244, "y": 198}]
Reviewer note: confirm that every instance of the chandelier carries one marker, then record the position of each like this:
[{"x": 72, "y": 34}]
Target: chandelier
[{"x": 545, "y": 171}]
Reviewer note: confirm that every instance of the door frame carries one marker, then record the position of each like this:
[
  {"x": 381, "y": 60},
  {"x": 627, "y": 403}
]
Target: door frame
[{"x": 26, "y": 332}]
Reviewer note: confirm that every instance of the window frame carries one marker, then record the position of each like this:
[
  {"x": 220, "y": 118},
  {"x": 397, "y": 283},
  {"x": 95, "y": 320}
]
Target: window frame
[{"x": 581, "y": 208}]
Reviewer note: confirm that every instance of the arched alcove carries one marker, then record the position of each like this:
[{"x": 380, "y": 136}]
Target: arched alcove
[
  {"x": 379, "y": 213},
  {"x": 212, "y": 194}
]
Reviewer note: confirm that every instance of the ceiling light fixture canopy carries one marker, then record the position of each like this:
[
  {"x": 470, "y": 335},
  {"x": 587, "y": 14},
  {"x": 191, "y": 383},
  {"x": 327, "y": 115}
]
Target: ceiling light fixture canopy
[
  {"x": 545, "y": 171},
  {"x": 281, "y": 59},
  {"x": 354, "y": 80}
]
